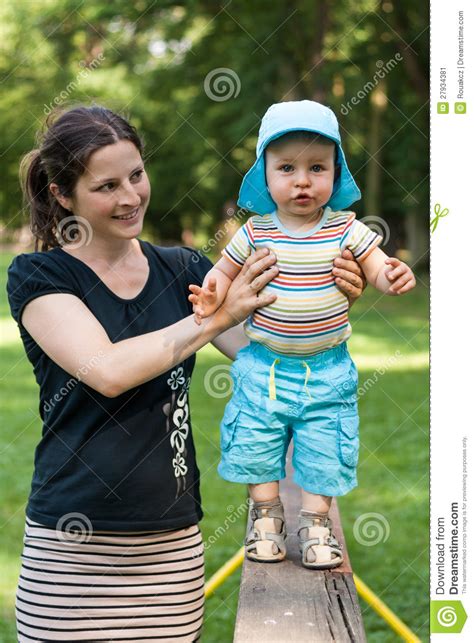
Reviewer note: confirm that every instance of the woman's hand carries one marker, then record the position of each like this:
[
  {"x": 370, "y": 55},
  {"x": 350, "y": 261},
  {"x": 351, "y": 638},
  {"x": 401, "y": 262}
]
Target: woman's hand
[
  {"x": 349, "y": 276},
  {"x": 243, "y": 294}
]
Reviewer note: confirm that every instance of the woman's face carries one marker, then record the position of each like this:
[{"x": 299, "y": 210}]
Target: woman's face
[{"x": 113, "y": 192}]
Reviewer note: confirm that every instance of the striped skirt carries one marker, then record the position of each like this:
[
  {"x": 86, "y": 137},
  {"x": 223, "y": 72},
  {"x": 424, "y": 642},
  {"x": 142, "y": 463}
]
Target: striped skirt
[{"x": 105, "y": 586}]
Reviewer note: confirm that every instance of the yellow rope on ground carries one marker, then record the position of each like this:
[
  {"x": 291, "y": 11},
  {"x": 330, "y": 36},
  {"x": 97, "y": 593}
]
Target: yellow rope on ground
[
  {"x": 224, "y": 572},
  {"x": 385, "y": 612},
  {"x": 363, "y": 590}
]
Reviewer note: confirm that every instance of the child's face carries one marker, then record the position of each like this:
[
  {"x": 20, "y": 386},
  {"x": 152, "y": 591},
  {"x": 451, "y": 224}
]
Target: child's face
[{"x": 300, "y": 176}]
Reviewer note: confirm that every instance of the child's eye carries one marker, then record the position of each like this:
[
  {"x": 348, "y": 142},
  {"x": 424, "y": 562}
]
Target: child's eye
[
  {"x": 286, "y": 168},
  {"x": 138, "y": 174},
  {"x": 316, "y": 168}
]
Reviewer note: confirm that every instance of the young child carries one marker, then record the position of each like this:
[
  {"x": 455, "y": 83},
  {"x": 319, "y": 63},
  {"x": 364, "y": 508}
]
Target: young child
[{"x": 296, "y": 379}]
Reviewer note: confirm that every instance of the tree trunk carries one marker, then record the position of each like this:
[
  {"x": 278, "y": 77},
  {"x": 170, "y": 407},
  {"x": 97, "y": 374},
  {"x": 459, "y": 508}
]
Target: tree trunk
[
  {"x": 317, "y": 58},
  {"x": 378, "y": 104}
]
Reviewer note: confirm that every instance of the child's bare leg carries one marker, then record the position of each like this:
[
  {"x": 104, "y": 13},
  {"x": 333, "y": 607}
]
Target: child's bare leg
[
  {"x": 265, "y": 491},
  {"x": 315, "y": 503}
]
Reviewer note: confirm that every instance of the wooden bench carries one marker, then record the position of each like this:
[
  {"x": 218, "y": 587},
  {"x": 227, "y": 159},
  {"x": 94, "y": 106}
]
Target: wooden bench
[{"x": 287, "y": 602}]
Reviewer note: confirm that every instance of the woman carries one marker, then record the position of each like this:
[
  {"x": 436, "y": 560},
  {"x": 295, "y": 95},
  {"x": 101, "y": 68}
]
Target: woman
[{"x": 112, "y": 547}]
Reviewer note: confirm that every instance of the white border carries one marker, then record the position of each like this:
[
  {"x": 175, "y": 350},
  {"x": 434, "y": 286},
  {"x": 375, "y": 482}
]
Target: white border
[{"x": 452, "y": 354}]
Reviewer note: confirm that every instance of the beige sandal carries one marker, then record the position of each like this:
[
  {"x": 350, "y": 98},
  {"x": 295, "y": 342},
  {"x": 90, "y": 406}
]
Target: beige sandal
[
  {"x": 319, "y": 548},
  {"x": 265, "y": 541}
]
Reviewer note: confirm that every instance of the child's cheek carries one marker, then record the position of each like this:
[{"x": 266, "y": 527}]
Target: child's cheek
[{"x": 281, "y": 191}]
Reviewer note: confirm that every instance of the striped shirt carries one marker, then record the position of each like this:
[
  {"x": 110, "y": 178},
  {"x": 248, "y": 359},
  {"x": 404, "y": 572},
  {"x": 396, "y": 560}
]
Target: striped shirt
[{"x": 311, "y": 313}]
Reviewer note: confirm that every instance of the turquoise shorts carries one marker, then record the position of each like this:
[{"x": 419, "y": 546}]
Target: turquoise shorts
[{"x": 278, "y": 398}]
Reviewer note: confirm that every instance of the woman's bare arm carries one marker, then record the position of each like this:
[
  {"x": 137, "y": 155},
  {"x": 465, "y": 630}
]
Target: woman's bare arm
[{"x": 73, "y": 338}]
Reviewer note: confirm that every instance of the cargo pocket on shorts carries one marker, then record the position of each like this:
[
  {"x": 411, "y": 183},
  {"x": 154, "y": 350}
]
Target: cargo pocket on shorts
[
  {"x": 348, "y": 438},
  {"x": 349, "y": 383},
  {"x": 241, "y": 367},
  {"x": 229, "y": 425}
]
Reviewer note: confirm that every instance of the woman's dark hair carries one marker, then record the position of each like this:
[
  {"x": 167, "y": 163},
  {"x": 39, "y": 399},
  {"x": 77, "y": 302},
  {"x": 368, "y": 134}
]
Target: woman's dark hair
[{"x": 63, "y": 151}]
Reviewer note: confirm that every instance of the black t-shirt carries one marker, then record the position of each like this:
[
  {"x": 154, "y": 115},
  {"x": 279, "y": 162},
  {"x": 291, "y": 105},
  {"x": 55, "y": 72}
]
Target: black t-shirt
[{"x": 126, "y": 463}]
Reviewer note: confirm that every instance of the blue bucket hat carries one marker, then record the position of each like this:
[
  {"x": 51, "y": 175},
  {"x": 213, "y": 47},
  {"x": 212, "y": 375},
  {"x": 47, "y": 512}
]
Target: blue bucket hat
[{"x": 293, "y": 116}]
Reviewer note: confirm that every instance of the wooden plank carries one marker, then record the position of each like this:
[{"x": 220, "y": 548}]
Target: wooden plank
[{"x": 287, "y": 602}]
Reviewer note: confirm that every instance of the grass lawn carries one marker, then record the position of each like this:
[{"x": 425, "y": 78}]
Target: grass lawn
[{"x": 389, "y": 551}]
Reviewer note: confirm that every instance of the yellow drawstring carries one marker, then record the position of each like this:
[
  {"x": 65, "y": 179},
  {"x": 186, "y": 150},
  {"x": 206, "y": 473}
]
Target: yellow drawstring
[
  {"x": 308, "y": 373},
  {"x": 271, "y": 386}
]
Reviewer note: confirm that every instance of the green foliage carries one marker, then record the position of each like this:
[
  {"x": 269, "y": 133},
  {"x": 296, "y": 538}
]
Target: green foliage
[{"x": 155, "y": 59}]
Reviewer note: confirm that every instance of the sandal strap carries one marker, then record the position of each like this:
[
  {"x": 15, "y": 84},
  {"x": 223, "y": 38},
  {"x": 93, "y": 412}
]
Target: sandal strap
[
  {"x": 275, "y": 511},
  {"x": 326, "y": 539},
  {"x": 308, "y": 521},
  {"x": 255, "y": 536},
  {"x": 330, "y": 540},
  {"x": 305, "y": 545}
]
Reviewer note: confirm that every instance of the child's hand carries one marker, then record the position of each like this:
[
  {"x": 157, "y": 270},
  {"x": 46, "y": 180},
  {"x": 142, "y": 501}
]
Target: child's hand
[
  {"x": 204, "y": 300},
  {"x": 400, "y": 275}
]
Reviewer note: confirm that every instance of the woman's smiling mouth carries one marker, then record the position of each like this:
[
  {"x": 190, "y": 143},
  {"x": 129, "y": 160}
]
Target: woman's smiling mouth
[{"x": 127, "y": 217}]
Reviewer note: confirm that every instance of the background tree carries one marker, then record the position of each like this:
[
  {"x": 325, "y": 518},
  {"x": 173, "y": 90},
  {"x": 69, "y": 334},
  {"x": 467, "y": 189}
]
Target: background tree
[{"x": 159, "y": 62}]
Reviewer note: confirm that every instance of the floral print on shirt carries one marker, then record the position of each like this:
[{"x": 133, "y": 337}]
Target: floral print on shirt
[{"x": 177, "y": 412}]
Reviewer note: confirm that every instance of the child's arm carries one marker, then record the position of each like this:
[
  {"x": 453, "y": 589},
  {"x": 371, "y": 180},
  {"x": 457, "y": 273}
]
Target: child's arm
[
  {"x": 231, "y": 341},
  {"x": 207, "y": 298},
  {"x": 387, "y": 274}
]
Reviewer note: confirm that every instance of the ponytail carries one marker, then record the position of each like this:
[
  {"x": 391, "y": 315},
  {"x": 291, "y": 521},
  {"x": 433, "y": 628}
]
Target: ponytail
[{"x": 45, "y": 210}]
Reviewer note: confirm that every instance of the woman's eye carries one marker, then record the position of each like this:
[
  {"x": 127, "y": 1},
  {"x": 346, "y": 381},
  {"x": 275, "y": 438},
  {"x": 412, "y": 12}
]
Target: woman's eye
[
  {"x": 106, "y": 186},
  {"x": 136, "y": 176},
  {"x": 316, "y": 168}
]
